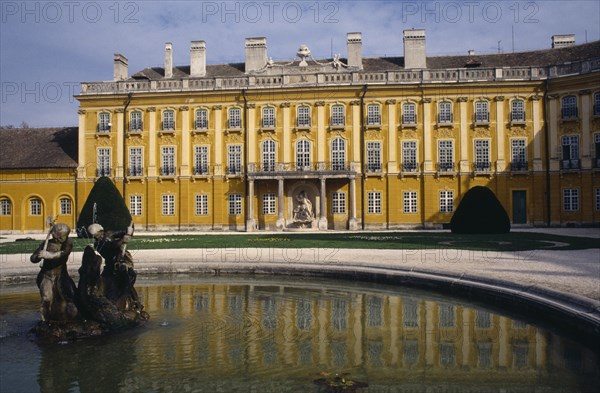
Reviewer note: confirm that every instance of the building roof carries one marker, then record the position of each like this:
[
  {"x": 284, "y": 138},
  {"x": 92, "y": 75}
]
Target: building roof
[
  {"x": 544, "y": 57},
  {"x": 38, "y": 148}
]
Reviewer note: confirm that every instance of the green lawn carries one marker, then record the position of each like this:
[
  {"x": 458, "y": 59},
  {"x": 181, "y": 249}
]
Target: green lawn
[{"x": 371, "y": 240}]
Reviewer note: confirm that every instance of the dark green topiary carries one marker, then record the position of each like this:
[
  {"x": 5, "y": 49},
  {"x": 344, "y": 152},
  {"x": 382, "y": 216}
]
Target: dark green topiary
[
  {"x": 480, "y": 212},
  {"x": 111, "y": 211}
]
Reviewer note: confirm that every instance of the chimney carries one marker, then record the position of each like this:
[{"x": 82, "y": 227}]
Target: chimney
[
  {"x": 256, "y": 53},
  {"x": 168, "y": 60},
  {"x": 355, "y": 50},
  {"x": 121, "y": 68},
  {"x": 414, "y": 48},
  {"x": 563, "y": 40},
  {"x": 198, "y": 58}
]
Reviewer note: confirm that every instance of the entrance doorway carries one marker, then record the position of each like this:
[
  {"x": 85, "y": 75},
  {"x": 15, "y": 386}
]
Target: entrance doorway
[{"x": 519, "y": 207}]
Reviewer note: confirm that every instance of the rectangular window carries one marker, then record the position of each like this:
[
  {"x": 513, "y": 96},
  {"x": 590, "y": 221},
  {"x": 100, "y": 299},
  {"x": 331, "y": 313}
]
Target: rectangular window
[
  {"x": 445, "y": 112},
  {"x": 338, "y": 154},
  {"x": 570, "y": 152},
  {"x": 135, "y": 205},
  {"x": 445, "y": 155},
  {"x": 597, "y": 200},
  {"x": 597, "y": 150},
  {"x": 410, "y": 201},
  {"x": 409, "y": 156},
  {"x": 234, "y": 159},
  {"x": 65, "y": 206},
  {"x": 200, "y": 160},
  {"x": 303, "y": 116},
  {"x": 570, "y": 199},
  {"x": 446, "y": 201},
  {"x": 447, "y": 315},
  {"x": 35, "y": 207},
  {"x": 482, "y": 114},
  {"x": 268, "y": 119},
  {"x": 104, "y": 122},
  {"x": 202, "y": 205},
  {"x": 168, "y": 161},
  {"x": 373, "y": 115},
  {"x": 168, "y": 121},
  {"x": 518, "y": 153},
  {"x": 338, "y": 202},
  {"x": 517, "y": 113},
  {"x": 303, "y": 155},
  {"x": 103, "y": 161},
  {"x": 168, "y": 205},
  {"x": 337, "y": 115},
  {"x": 374, "y": 202},
  {"x": 201, "y": 119},
  {"x": 373, "y": 156},
  {"x": 135, "y": 121},
  {"x": 235, "y": 118},
  {"x": 597, "y": 104},
  {"x": 135, "y": 161},
  {"x": 482, "y": 155},
  {"x": 268, "y": 155},
  {"x": 269, "y": 203},
  {"x": 569, "y": 107},
  {"x": 235, "y": 204},
  {"x": 409, "y": 115},
  {"x": 6, "y": 210},
  {"x": 410, "y": 313}
]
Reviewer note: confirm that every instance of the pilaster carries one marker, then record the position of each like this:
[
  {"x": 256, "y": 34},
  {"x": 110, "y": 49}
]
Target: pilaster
[
  {"x": 81, "y": 144},
  {"x": 536, "y": 116},
  {"x": 463, "y": 143},
  {"x": 218, "y": 152},
  {"x": 287, "y": 133},
  {"x": 185, "y": 141},
  {"x": 321, "y": 144},
  {"x": 501, "y": 158},
  {"x": 392, "y": 166},
  {"x": 152, "y": 142},
  {"x": 120, "y": 134},
  {"x": 427, "y": 140}
]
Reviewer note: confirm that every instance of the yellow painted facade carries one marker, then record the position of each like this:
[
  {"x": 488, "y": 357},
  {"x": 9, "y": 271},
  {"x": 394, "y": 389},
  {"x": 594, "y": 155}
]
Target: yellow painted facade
[{"x": 372, "y": 150}]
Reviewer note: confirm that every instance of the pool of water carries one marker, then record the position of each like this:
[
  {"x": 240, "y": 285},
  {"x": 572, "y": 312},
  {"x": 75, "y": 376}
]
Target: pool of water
[{"x": 278, "y": 334}]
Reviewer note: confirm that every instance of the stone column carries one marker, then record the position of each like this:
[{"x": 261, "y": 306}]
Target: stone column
[
  {"x": 323, "y": 206},
  {"x": 353, "y": 222},
  {"x": 501, "y": 158},
  {"x": 250, "y": 221},
  {"x": 120, "y": 132},
  {"x": 185, "y": 141},
  {"x": 280, "y": 218},
  {"x": 152, "y": 142}
]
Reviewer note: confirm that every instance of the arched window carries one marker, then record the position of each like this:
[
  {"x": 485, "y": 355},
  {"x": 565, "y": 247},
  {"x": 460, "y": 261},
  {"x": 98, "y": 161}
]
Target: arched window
[
  {"x": 338, "y": 154},
  {"x": 303, "y": 155},
  {"x": 268, "y": 155},
  {"x": 35, "y": 207},
  {"x": 5, "y": 207},
  {"x": 65, "y": 206}
]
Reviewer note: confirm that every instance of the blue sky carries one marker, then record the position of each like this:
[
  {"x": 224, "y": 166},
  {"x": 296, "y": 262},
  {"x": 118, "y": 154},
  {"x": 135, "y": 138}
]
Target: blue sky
[{"x": 48, "y": 47}]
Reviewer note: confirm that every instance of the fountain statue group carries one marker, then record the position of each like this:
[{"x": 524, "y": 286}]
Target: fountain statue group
[{"x": 105, "y": 299}]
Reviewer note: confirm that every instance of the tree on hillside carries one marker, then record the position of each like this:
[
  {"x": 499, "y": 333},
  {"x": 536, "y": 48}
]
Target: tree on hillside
[{"x": 110, "y": 210}]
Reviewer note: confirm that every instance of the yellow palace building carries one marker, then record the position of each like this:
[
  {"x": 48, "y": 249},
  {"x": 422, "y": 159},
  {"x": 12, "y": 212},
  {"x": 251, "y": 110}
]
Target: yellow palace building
[{"x": 343, "y": 143}]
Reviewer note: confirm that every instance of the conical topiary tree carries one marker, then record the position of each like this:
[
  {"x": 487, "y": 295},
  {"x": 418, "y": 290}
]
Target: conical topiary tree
[
  {"x": 480, "y": 212},
  {"x": 111, "y": 211}
]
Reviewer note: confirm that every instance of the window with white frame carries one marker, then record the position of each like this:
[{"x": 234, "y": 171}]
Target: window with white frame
[
  {"x": 517, "y": 111},
  {"x": 135, "y": 121},
  {"x": 135, "y": 205},
  {"x": 201, "y": 204},
  {"x": 135, "y": 161},
  {"x": 168, "y": 205},
  {"x": 35, "y": 207},
  {"x": 200, "y": 160},
  {"x": 374, "y": 156},
  {"x": 569, "y": 107},
  {"x": 268, "y": 155},
  {"x": 103, "y": 161},
  {"x": 570, "y": 152},
  {"x": 482, "y": 155},
  {"x": 447, "y": 315},
  {"x": 338, "y": 202},
  {"x": 409, "y": 113},
  {"x": 374, "y": 202},
  {"x": 235, "y": 118},
  {"x": 338, "y": 154},
  {"x": 518, "y": 153},
  {"x": 410, "y": 201},
  {"x": 268, "y": 117},
  {"x": 445, "y": 112},
  {"x": 597, "y": 204},
  {"x": 235, "y": 204},
  {"x": 104, "y": 122},
  {"x": 303, "y": 116},
  {"x": 303, "y": 154},
  {"x": 446, "y": 201},
  {"x": 373, "y": 114},
  {"x": 445, "y": 155},
  {"x": 168, "y": 123},
  {"x": 65, "y": 206},
  {"x": 337, "y": 115},
  {"x": 482, "y": 113},
  {"x": 168, "y": 161},
  {"x": 570, "y": 199},
  {"x": 597, "y": 104},
  {"x": 269, "y": 203},
  {"x": 6, "y": 207},
  {"x": 234, "y": 159},
  {"x": 201, "y": 121},
  {"x": 409, "y": 156},
  {"x": 410, "y": 313}
]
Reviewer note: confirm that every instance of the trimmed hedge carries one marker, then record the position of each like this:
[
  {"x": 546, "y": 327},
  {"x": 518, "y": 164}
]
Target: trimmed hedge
[
  {"x": 111, "y": 211},
  {"x": 480, "y": 212}
]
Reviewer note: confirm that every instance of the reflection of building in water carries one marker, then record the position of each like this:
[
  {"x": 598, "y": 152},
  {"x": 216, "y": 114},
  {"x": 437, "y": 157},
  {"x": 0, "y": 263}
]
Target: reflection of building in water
[{"x": 256, "y": 327}]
